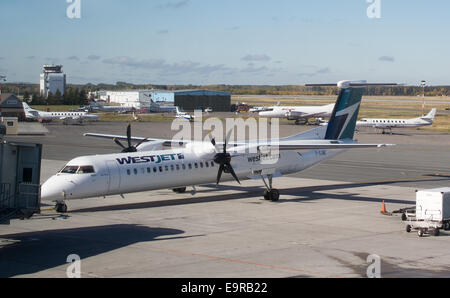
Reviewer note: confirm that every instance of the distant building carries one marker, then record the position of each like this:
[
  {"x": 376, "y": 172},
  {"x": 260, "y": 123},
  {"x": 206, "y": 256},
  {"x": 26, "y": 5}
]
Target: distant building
[
  {"x": 188, "y": 100},
  {"x": 139, "y": 99},
  {"x": 52, "y": 80},
  {"x": 11, "y": 106}
]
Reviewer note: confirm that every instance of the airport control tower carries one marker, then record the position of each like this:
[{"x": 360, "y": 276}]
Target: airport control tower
[{"x": 52, "y": 80}]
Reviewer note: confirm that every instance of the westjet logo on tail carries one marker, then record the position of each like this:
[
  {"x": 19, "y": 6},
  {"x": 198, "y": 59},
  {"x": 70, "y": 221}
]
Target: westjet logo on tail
[{"x": 150, "y": 158}]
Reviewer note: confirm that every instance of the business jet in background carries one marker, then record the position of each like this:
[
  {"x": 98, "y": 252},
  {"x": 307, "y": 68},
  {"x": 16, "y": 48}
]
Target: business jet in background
[
  {"x": 66, "y": 117},
  {"x": 183, "y": 115},
  {"x": 97, "y": 107},
  {"x": 188, "y": 163},
  {"x": 298, "y": 113},
  {"x": 387, "y": 124}
]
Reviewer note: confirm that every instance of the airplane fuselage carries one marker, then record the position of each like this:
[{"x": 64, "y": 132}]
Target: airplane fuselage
[{"x": 101, "y": 175}]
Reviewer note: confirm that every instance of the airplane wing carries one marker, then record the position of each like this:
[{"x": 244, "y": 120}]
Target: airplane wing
[
  {"x": 298, "y": 114},
  {"x": 313, "y": 145}
]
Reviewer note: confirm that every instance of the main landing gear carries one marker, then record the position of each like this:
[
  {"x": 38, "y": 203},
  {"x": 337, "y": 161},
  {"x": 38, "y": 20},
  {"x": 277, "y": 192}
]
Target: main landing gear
[
  {"x": 61, "y": 207},
  {"x": 179, "y": 190},
  {"x": 270, "y": 194}
]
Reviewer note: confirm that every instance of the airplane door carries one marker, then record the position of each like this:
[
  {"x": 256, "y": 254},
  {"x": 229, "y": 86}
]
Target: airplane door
[{"x": 114, "y": 176}]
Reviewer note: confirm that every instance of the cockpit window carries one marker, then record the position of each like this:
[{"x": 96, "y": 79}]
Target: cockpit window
[
  {"x": 70, "y": 170},
  {"x": 86, "y": 170},
  {"x": 78, "y": 170}
]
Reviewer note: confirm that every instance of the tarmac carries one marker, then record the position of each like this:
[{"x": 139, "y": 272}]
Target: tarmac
[{"x": 326, "y": 223}]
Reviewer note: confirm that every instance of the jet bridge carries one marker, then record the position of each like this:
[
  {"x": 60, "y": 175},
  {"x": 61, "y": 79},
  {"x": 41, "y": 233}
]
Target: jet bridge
[{"x": 20, "y": 166}]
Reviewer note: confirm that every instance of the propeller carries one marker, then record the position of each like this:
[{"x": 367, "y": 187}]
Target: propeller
[
  {"x": 223, "y": 159},
  {"x": 131, "y": 147}
]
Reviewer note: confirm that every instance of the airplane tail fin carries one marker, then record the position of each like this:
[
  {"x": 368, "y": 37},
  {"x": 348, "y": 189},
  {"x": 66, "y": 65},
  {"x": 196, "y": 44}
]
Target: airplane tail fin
[
  {"x": 345, "y": 113},
  {"x": 430, "y": 115}
]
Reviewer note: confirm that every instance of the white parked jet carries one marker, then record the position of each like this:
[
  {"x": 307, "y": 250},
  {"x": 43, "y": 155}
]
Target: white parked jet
[
  {"x": 97, "y": 107},
  {"x": 183, "y": 115},
  {"x": 298, "y": 113},
  {"x": 65, "y": 116},
  {"x": 388, "y": 124},
  {"x": 141, "y": 168}
]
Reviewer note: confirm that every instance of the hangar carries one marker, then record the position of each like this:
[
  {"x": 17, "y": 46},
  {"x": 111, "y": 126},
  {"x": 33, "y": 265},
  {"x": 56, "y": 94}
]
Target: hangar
[
  {"x": 187, "y": 100},
  {"x": 190, "y": 100}
]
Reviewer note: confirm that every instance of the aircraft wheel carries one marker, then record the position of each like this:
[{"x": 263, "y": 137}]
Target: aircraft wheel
[
  {"x": 408, "y": 228},
  {"x": 180, "y": 190},
  {"x": 436, "y": 232},
  {"x": 447, "y": 226},
  {"x": 267, "y": 195},
  {"x": 420, "y": 233},
  {"x": 61, "y": 207},
  {"x": 274, "y": 195}
]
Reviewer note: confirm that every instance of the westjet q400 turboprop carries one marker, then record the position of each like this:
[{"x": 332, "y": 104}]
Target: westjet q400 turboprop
[{"x": 138, "y": 168}]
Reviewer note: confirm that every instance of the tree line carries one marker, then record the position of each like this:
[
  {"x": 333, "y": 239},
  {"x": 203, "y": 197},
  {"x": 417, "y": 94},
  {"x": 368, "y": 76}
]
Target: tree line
[{"x": 77, "y": 94}]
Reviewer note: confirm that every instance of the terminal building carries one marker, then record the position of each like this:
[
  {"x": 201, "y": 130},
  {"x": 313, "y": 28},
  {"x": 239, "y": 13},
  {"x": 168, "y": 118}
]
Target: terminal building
[
  {"x": 52, "y": 80},
  {"x": 187, "y": 100}
]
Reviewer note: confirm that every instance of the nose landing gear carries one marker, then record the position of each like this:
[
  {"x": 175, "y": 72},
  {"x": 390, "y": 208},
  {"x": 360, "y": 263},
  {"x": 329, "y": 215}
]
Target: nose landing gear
[
  {"x": 270, "y": 194},
  {"x": 60, "y": 207}
]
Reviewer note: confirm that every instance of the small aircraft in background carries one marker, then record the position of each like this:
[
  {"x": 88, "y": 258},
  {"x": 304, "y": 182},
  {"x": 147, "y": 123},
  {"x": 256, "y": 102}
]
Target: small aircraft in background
[
  {"x": 184, "y": 115},
  {"x": 387, "y": 124},
  {"x": 67, "y": 117},
  {"x": 298, "y": 113},
  {"x": 97, "y": 107}
]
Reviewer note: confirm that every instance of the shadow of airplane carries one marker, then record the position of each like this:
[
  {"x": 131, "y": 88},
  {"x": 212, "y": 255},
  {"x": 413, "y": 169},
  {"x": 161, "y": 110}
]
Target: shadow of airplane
[
  {"x": 304, "y": 194},
  {"x": 41, "y": 250}
]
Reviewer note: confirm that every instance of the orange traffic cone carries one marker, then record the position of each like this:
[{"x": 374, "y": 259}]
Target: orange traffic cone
[{"x": 383, "y": 208}]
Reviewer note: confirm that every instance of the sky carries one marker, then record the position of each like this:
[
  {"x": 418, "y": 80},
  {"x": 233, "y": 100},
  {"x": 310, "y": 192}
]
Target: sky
[{"x": 227, "y": 41}]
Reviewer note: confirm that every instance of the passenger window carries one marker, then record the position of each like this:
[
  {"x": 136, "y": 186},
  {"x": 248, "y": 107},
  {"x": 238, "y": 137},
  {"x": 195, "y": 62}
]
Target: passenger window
[
  {"x": 190, "y": 166},
  {"x": 196, "y": 165},
  {"x": 128, "y": 172},
  {"x": 212, "y": 164},
  {"x": 172, "y": 168},
  {"x": 178, "y": 167},
  {"x": 183, "y": 166},
  {"x": 160, "y": 168},
  {"x": 167, "y": 168},
  {"x": 201, "y": 164},
  {"x": 155, "y": 170},
  {"x": 149, "y": 170},
  {"x": 135, "y": 171}
]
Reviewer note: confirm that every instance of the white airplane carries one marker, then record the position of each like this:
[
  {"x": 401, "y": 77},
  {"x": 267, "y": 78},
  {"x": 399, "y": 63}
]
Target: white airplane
[
  {"x": 388, "y": 124},
  {"x": 95, "y": 106},
  {"x": 183, "y": 115},
  {"x": 65, "y": 116},
  {"x": 161, "y": 107},
  {"x": 141, "y": 168},
  {"x": 298, "y": 113}
]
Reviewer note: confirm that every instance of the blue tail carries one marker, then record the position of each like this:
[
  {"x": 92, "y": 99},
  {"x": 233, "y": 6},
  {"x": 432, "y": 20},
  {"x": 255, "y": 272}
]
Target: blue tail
[{"x": 343, "y": 119}]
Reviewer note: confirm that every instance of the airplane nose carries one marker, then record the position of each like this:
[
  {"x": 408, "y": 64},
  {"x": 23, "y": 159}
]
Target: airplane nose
[{"x": 55, "y": 188}]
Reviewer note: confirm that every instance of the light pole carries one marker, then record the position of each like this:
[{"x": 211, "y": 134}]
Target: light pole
[
  {"x": 423, "y": 97},
  {"x": 2, "y": 79}
]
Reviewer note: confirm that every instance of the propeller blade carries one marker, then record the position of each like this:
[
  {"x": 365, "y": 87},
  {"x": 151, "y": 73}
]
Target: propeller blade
[
  {"x": 233, "y": 173},
  {"x": 144, "y": 140},
  {"x": 219, "y": 174},
  {"x": 119, "y": 143},
  {"x": 129, "y": 134}
]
